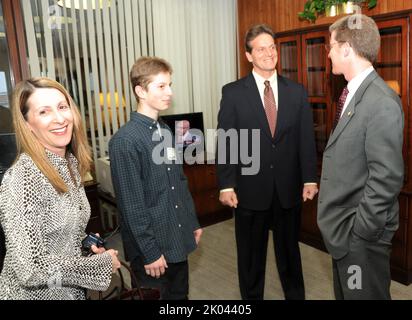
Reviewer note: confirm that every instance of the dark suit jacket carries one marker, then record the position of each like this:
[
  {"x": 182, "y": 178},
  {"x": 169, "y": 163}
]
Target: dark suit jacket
[
  {"x": 286, "y": 161},
  {"x": 362, "y": 171}
]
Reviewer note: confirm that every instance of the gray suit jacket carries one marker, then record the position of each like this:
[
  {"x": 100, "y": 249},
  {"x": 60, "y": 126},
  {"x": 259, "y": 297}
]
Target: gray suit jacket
[{"x": 362, "y": 170}]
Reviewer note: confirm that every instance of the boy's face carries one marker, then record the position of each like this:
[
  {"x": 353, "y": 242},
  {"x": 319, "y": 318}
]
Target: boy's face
[{"x": 158, "y": 95}]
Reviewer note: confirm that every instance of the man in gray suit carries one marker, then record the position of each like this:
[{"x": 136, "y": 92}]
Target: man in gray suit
[{"x": 362, "y": 173}]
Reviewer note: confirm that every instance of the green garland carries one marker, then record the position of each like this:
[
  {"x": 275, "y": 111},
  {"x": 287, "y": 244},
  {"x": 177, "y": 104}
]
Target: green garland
[{"x": 313, "y": 8}]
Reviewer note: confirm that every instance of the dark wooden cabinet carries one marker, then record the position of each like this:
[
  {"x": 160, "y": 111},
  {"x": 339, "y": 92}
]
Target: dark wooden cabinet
[
  {"x": 290, "y": 53},
  {"x": 303, "y": 58},
  {"x": 202, "y": 182}
]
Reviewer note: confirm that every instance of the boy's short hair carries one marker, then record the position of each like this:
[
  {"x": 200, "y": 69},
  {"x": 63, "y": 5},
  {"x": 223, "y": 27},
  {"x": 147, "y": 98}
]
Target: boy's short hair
[{"x": 144, "y": 69}]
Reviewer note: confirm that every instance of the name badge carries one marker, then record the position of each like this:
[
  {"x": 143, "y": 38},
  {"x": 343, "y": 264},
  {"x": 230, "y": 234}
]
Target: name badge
[{"x": 171, "y": 154}]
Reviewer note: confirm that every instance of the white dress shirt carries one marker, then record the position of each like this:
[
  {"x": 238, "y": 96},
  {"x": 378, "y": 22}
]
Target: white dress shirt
[
  {"x": 354, "y": 85},
  {"x": 260, "y": 82}
]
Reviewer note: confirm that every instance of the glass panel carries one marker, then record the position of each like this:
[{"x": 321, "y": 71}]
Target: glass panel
[
  {"x": 389, "y": 62},
  {"x": 5, "y": 80},
  {"x": 319, "y": 123},
  {"x": 289, "y": 59},
  {"x": 316, "y": 69}
]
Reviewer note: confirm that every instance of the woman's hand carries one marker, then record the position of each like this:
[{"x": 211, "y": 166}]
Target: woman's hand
[
  {"x": 97, "y": 250},
  {"x": 115, "y": 260}
]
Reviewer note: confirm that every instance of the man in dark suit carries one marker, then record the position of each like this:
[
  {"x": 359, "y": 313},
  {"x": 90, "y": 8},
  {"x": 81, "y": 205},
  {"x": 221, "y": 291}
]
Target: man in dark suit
[
  {"x": 158, "y": 220},
  {"x": 286, "y": 159},
  {"x": 362, "y": 172}
]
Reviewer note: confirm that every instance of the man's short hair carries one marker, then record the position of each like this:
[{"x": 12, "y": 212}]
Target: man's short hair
[
  {"x": 255, "y": 31},
  {"x": 144, "y": 69},
  {"x": 362, "y": 34}
]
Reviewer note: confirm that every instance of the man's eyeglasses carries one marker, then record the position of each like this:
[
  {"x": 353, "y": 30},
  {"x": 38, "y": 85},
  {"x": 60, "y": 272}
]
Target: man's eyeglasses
[{"x": 329, "y": 46}]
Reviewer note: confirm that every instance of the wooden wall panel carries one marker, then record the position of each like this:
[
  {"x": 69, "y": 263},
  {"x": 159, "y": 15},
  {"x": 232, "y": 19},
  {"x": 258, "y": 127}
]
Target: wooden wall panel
[
  {"x": 281, "y": 15},
  {"x": 250, "y": 13}
]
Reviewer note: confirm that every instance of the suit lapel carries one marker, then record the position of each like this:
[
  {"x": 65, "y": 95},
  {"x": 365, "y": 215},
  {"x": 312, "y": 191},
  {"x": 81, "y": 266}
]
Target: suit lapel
[
  {"x": 351, "y": 108},
  {"x": 252, "y": 94}
]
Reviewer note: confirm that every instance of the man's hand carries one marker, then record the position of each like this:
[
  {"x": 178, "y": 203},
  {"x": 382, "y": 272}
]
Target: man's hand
[
  {"x": 309, "y": 192},
  {"x": 198, "y": 233},
  {"x": 228, "y": 198},
  {"x": 157, "y": 268}
]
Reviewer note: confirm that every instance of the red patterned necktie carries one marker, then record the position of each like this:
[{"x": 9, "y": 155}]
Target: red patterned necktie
[
  {"x": 270, "y": 107},
  {"x": 341, "y": 103}
]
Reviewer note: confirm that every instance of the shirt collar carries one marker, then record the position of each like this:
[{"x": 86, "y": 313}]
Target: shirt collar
[
  {"x": 150, "y": 123},
  {"x": 355, "y": 83},
  {"x": 259, "y": 79},
  {"x": 145, "y": 120},
  {"x": 55, "y": 159}
]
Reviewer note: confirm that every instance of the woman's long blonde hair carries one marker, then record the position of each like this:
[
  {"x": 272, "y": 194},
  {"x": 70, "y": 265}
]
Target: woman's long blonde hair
[{"x": 29, "y": 144}]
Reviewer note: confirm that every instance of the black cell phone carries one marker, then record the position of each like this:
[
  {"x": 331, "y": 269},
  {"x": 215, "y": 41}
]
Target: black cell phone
[{"x": 91, "y": 239}]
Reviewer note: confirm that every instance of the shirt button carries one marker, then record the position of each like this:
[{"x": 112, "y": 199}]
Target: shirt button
[
  {"x": 272, "y": 166},
  {"x": 173, "y": 188},
  {"x": 176, "y": 206},
  {"x": 180, "y": 225},
  {"x": 273, "y": 146},
  {"x": 168, "y": 169},
  {"x": 150, "y": 128}
]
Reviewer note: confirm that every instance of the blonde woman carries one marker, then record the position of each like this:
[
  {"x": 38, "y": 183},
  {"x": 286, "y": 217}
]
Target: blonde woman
[{"x": 43, "y": 207}]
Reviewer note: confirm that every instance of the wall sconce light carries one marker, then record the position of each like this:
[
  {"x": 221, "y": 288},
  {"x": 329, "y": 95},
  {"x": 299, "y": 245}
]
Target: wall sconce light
[
  {"x": 108, "y": 99},
  {"x": 117, "y": 105},
  {"x": 341, "y": 8},
  {"x": 394, "y": 85},
  {"x": 348, "y": 7}
]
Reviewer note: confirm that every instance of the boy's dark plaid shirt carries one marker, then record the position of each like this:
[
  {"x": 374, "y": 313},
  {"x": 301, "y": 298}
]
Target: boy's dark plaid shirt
[{"x": 157, "y": 214}]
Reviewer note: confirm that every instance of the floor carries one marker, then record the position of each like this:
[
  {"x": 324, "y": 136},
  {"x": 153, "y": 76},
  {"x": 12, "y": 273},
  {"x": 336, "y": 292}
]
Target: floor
[{"x": 213, "y": 271}]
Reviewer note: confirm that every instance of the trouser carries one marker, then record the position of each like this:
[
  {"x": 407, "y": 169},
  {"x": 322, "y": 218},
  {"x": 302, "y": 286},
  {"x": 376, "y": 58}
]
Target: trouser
[
  {"x": 252, "y": 233},
  {"x": 173, "y": 284},
  {"x": 364, "y": 273}
]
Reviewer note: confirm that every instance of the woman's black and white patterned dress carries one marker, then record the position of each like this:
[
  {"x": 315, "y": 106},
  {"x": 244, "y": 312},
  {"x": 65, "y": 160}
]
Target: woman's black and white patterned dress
[{"x": 43, "y": 232}]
